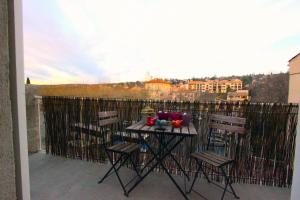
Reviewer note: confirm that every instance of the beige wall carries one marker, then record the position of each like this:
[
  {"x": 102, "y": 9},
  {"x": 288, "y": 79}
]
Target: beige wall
[
  {"x": 294, "y": 82},
  {"x": 32, "y": 117},
  {"x": 7, "y": 160}
]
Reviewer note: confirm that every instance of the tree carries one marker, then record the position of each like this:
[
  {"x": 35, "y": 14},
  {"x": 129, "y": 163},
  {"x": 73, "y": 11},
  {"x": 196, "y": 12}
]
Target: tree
[
  {"x": 247, "y": 79},
  {"x": 213, "y": 78},
  {"x": 271, "y": 88},
  {"x": 28, "y": 81}
]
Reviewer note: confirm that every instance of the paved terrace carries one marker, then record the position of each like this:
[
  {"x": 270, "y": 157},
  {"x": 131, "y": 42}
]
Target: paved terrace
[{"x": 57, "y": 178}]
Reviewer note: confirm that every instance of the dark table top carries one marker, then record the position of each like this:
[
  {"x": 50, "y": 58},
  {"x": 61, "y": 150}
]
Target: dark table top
[{"x": 141, "y": 127}]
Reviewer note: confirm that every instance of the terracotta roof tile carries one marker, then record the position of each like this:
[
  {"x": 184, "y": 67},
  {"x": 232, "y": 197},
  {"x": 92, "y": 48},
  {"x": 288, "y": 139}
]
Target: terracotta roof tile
[{"x": 157, "y": 80}]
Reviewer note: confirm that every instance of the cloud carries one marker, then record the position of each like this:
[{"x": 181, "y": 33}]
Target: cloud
[
  {"x": 121, "y": 40},
  {"x": 53, "y": 51}
]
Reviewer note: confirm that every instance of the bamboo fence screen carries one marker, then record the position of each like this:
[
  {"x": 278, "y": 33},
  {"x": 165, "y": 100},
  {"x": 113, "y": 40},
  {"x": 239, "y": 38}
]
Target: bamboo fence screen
[{"x": 264, "y": 155}]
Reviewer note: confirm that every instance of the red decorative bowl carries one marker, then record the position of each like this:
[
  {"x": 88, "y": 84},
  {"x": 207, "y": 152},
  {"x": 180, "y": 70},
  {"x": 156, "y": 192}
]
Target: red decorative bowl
[
  {"x": 177, "y": 123},
  {"x": 151, "y": 121}
]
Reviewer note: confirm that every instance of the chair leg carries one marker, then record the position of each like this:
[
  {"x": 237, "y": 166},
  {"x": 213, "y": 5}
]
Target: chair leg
[
  {"x": 121, "y": 183},
  {"x": 233, "y": 192},
  {"x": 194, "y": 180},
  {"x": 119, "y": 178},
  {"x": 134, "y": 166},
  {"x": 108, "y": 173},
  {"x": 206, "y": 176},
  {"x": 228, "y": 182},
  {"x": 116, "y": 170}
]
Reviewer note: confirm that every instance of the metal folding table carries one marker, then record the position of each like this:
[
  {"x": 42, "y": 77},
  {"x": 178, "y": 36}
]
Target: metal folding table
[{"x": 167, "y": 143}]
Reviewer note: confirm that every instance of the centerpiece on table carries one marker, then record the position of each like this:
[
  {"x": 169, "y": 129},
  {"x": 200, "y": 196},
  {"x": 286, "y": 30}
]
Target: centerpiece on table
[
  {"x": 176, "y": 119},
  {"x": 163, "y": 119}
]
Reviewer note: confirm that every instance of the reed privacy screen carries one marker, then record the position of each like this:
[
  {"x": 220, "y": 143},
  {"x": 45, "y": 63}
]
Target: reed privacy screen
[{"x": 264, "y": 155}]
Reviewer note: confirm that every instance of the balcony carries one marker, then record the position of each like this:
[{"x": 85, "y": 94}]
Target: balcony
[
  {"x": 264, "y": 166},
  {"x": 53, "y": 177}
]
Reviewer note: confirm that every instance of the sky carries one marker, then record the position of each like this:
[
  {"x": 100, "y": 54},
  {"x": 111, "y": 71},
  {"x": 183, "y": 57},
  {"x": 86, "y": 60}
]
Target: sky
[{"x": 97, "y": 41}]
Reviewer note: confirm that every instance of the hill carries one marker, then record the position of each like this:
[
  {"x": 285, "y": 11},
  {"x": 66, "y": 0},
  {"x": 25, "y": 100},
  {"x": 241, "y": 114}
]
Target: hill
[
  {"x": 270, "y": 88},
  {"x": 92, "y": 90},
  {"x": 263, "y": 88}
]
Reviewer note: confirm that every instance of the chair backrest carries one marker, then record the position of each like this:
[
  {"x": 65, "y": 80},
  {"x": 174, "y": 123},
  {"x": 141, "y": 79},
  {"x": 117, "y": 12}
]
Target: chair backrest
[
  {"x": 221, "y": 126},
  {"x": 228, "y": 124},
  {"x": 108, "y": 121},
  {"x": 107, "y": 118}
]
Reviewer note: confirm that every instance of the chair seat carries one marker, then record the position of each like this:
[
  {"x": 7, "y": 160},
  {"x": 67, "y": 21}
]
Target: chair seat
[
  {"x": 124, "y": 148},
  {"x": 212, "y": 158}
]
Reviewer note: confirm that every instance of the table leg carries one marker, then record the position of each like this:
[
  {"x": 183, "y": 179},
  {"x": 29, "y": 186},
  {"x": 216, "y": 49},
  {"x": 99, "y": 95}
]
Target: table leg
[
  {"x": 151, "y": 160},
  {"x": 160, "y": 160},
  {"x": 165, "y": 146},
  {"x": 157, "y": 163}
]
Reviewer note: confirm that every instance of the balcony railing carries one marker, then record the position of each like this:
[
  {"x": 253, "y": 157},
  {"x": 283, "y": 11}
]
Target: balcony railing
[{"x": 263, "y": 156}]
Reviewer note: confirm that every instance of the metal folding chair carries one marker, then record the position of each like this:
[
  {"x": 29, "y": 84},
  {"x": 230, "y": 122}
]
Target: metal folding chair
[
  {"x": 220, "y": 127},
  {"x": 124, "y": 151}
]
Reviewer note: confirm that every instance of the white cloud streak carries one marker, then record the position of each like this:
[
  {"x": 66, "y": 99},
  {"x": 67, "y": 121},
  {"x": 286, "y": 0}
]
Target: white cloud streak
[{"x": 124, "y": 39}]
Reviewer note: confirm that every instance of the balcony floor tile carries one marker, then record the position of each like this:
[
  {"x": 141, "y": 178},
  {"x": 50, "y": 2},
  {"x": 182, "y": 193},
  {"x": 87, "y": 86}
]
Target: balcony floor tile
[{"x": 53, "y": 177}]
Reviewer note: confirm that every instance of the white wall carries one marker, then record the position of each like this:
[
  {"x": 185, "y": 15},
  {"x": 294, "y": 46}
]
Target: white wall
[{"x": 17, "y": 91}]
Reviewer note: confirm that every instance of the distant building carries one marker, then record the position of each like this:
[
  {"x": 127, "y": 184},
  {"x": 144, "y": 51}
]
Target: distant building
[
  {"x": 158, "y": 88},
  {"x": 183, "y": 95},
  {"x": 208, "y": 97},
  {"x": 181, "y": 85},
  {"x": 240, "y": 95},
  {"x": 216, "y": 86},
  {"x": 294, "y": 82},
  {"x": 158, "y": 84}
]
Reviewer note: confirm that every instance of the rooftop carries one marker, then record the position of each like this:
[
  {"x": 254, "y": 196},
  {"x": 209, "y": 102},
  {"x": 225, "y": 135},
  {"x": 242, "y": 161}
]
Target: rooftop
[
  {"x": 158, "y": 80},
  {"x": 294, "y": 57},
  {"x": 216, "y": 81},
  {"x": 53, "y": 177}
]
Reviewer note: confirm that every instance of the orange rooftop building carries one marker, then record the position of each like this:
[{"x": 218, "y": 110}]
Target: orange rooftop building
[{"x": 158, "y": 88}]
